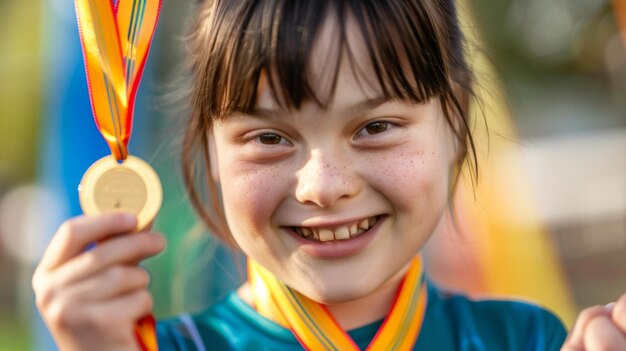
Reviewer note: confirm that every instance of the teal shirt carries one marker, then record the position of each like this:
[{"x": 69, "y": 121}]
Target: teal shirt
[{"x": 452, "y": 322}]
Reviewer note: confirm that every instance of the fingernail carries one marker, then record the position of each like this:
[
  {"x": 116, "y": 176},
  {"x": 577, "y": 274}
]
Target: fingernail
[{"x": 609, "y": 306}]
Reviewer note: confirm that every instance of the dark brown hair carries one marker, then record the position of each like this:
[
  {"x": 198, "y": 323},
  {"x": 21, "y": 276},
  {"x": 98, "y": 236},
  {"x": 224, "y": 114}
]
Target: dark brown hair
[{"x": 415, "y": 47}]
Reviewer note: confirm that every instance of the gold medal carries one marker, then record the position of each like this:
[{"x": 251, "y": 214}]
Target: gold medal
[{"x": 130, "y": 186}]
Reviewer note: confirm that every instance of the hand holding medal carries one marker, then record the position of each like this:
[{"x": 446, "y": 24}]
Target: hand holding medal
[{"x": 116, "y": 37}]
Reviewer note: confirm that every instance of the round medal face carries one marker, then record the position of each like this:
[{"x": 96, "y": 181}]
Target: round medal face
[{"x": 131, "y": 186}]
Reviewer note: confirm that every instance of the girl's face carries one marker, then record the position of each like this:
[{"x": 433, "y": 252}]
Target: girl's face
[{"x": 366, "y": 177}]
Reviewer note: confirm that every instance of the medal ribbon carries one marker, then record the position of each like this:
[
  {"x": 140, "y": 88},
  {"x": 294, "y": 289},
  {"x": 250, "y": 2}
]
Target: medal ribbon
[
  {"x": 116, "y": 38},
  {"x": 316, "y": 329}
]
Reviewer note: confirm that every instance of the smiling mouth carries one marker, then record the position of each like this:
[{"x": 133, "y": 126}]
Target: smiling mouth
[{"x": 344, "y": 232}]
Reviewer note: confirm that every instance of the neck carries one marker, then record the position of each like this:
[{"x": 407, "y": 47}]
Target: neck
[
  {"x": 355, "y": 313},
  {"x": 370, "y": 308}
]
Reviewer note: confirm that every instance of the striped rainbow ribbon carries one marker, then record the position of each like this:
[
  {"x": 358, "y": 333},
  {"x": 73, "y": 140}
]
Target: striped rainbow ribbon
[
  {"x": 316, "y": 329},
  {"x": 116, "y": 38}
]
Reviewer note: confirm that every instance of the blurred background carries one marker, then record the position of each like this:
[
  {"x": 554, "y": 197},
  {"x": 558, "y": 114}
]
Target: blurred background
[{"x": 553, "y": 81}]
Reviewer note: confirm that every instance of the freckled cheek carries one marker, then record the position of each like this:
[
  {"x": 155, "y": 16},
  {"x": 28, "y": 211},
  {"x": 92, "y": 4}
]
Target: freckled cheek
[
  {"x": 251, "y": 195},
  {"x": 409, "y": 177}
]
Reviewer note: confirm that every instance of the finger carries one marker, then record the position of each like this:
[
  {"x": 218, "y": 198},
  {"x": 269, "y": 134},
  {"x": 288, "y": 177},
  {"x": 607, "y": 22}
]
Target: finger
[
  {"x": 75, "y": 234},
  {"x": 618, "y": 313},
  {"x": 130, "y": 307},
  {"x": 111, "y": 283},
  {"x": 575, "y": 339},
  {"x": 602, "y": 334},
  {"x": 121, "y": 250},
  {"x": 112, "y": 320}
]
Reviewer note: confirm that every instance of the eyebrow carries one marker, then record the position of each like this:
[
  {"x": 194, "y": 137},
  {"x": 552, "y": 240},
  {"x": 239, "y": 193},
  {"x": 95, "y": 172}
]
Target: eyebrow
[
  {"x": 366, "y": 105},
  {"x": 354, "y": 109}
]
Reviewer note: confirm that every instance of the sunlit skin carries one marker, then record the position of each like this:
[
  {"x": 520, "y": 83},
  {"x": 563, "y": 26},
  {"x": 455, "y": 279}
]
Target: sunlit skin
[{"x": 360, "y": 157}]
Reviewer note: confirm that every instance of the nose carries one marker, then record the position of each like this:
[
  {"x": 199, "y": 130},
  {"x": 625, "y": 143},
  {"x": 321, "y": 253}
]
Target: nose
[{"x": 326, "y": 179}]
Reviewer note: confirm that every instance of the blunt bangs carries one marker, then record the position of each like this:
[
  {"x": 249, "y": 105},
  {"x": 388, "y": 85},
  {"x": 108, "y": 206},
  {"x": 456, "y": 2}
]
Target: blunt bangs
[{"x": 409, "y": 49}]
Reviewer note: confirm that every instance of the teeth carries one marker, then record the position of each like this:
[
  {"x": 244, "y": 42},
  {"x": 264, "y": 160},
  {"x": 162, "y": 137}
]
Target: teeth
[
  {"x": 373, "y": 221},
  {"x": 364, "y": 224},
  {"x": 326, "y": 235},
  {"x": 306, "y": 232},
  {"x": 342, "y": 233},
  {"x": 353, "y": 228}
]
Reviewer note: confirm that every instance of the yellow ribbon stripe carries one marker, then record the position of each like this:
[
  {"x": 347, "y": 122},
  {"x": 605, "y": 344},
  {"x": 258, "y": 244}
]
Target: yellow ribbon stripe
[{"x": 316, "y": 329}]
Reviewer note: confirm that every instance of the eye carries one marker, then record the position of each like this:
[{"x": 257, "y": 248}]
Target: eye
[
  {"x": 376, "y": 127},
  {"x": 270, "y": 139},
  {"x": 373, "y": 128}
]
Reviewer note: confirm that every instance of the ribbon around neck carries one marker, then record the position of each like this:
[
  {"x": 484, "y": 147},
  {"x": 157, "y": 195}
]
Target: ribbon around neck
[
  {"x": 116, "y": 38},
  {"x": 316, "y": 329}
]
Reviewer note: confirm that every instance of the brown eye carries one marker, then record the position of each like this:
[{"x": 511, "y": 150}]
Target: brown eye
[
  {"x": 376, "y": 127},
  {"x": 270, "y": 139}
]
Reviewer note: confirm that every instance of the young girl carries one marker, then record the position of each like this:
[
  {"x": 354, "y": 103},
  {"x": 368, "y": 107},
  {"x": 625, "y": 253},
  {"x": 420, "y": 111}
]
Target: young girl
[{"x": 331, "y": 134}]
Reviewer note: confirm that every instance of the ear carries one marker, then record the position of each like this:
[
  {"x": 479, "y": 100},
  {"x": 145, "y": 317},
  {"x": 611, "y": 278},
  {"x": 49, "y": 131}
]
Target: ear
[{"x": 213, "y": 161}]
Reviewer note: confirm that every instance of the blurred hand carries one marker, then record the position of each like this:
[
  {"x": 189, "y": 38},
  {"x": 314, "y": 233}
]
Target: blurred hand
[
  {"x": 91, "y": 300},
  {"x": 599, "y": 328}
]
